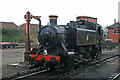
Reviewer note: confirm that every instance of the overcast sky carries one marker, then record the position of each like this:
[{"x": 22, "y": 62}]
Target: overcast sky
[{"x": 67, "y": 10}]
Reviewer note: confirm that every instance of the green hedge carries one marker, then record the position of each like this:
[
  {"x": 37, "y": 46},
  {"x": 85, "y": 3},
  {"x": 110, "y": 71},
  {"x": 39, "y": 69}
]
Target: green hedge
[{"x": 15, "y": 35}]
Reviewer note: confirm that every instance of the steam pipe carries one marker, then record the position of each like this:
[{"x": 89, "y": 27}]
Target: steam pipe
[{"x": 39, "y": 23}]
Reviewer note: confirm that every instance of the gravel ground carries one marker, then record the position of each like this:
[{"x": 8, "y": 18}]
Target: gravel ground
[
  {"x": 102, "y": 70},
  {"x": 11, "y": 56},
  {"x": 15, "y": 55}
]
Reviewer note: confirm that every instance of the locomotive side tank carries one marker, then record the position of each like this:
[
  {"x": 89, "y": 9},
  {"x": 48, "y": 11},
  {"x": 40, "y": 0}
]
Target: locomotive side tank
[{"x": 83, "y": 33}]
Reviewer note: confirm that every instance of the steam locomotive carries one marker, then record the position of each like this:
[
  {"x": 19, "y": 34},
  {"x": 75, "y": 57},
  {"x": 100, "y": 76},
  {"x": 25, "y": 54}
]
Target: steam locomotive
[{"x": 63, "y": 45}]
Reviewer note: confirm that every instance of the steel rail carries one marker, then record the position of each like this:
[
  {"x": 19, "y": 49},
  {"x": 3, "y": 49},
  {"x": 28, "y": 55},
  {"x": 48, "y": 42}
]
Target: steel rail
[
  {"x": 96, "y": 62},
  {"x": 28, "y": 75},
  {"x": 105, "y": 59},
  {"x": 114, "y": 76}
]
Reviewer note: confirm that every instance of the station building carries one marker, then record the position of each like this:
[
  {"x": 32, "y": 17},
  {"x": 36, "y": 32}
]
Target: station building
[{"x": 114, "y": 32}]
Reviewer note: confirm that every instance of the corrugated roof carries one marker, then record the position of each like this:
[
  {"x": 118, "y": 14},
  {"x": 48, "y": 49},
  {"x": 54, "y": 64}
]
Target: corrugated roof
[{"x": 116, "y": 25}]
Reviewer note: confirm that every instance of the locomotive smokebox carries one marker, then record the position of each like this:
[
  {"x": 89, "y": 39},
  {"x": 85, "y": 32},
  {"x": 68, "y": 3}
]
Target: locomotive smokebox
[{"x": 53, "y": 19}]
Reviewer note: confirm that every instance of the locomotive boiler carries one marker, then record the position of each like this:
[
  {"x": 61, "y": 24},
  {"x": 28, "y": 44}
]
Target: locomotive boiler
[{"x": 63, "y": 45}]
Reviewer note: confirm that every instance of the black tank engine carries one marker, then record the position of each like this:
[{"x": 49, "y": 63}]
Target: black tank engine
[{"x": 63, "y": 45}]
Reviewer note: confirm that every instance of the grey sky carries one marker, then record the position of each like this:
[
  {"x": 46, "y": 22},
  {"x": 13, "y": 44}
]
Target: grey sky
[{"x": 14, "y": 10}]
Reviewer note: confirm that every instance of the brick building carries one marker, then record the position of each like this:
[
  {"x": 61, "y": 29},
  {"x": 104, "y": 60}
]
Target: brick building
[
  {"x": 8, "y": 25},
  {"x": 114, "y": 32},
  {"x": 86, "y": 18},
  {"x": 33, "y": 27}
]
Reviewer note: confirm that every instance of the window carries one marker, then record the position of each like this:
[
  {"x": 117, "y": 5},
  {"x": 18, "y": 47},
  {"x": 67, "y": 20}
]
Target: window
[{"x": 116, "y": 31}]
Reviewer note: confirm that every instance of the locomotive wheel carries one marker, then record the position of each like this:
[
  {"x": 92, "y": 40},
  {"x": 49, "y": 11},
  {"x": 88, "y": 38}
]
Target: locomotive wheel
[
  {"x": 69, "y": 63},
  {"x": 93, "y": 54},
  {"x": 31, "y": 64},
  {"x": 86, "y": 54},
  {"x": 52, "y": 67},
  {"x": 58, "y": 69},
  {"x": 98, "y": 55}
]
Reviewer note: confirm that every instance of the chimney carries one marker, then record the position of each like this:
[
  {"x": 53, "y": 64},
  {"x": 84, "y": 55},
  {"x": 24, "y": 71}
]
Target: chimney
[
  {"x": 114, "y": 21},
  {"x": 53, "y": 19}
]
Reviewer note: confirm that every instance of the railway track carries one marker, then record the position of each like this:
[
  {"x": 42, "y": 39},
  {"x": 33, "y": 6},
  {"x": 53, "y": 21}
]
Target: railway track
[
  {"x": 77, "y": 71},
  {"x": 105, "y": 59},
  {"x": 114, "y": 76},
  {"x": 39, "y": 74},
  {"x": 28, "y": 75}
]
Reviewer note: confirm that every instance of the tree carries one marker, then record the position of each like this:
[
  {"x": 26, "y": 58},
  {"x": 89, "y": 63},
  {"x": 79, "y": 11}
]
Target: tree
[{"x": 4, "y": 30}]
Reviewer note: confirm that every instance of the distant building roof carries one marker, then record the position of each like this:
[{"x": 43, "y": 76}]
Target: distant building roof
[
  {"x": 115, "y": 25},
  {"x": 8, "y": 25},
  {"x": 31, "y": 26}
]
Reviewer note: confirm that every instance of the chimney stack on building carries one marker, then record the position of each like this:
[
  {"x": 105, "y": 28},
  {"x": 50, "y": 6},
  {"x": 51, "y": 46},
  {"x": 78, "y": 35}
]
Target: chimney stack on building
[{"x": 114, "y": 21}]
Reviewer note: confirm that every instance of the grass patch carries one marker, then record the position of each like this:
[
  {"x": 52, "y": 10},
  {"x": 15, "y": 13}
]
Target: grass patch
[
  {"x": 12, "y": 35},
  {"x": 13, "y": 38}
]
